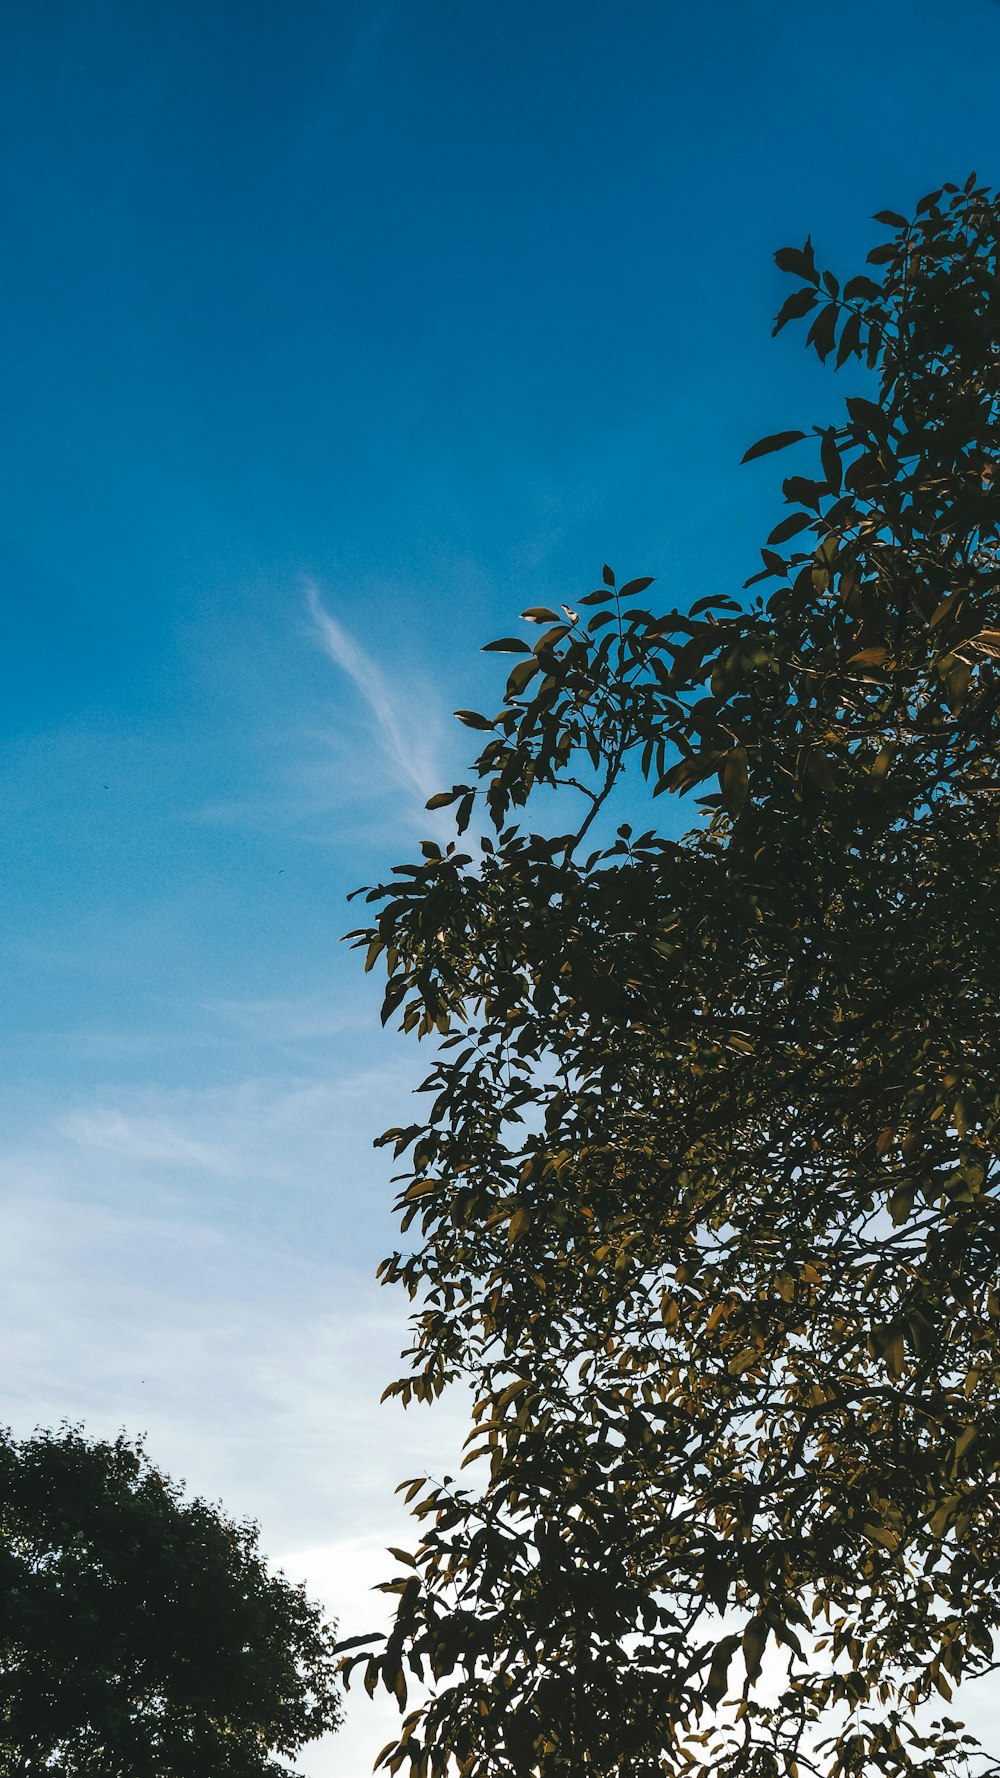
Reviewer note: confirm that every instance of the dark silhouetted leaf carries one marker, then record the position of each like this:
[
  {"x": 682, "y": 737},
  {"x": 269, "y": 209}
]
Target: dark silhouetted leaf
[
  {"x": 754, "y": 1644},
  {"x": 822, "y": 333},
  {"x": 793, "y": 308},
  {"x": 790, "y": 527},
  {"x": 850, "y": 340},
  {"x": 797, "y": 260},
  {"x": 830, "y": 459},
  {"x": 777, "y": 442},
  {"x": 718, "y": 1676}
]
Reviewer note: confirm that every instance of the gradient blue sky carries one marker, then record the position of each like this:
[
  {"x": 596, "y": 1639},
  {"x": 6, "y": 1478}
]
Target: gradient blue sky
[{"x": 409, "y": 313}]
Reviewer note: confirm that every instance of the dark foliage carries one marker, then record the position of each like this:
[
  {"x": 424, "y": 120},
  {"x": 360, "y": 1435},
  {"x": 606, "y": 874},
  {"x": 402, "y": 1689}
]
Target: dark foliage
[
  {"x": 706, "y": 1182},
  {"x": 141, "y": 1635}
]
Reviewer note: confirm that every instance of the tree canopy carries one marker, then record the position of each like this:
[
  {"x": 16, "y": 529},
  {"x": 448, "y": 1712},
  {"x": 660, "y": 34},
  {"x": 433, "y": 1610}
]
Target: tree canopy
[
  {"x": 704, "y": 1181},
  {"x": 141, "y": 1633}
]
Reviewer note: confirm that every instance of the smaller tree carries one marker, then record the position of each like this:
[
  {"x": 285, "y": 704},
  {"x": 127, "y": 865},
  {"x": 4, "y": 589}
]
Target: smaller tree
[{"x": 141, "y": 1632}]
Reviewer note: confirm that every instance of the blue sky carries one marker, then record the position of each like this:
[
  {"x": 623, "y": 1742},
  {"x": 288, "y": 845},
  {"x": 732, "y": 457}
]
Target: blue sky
[{"x": 333, "y": 335}]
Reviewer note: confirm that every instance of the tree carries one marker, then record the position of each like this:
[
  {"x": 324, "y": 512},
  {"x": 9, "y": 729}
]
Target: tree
[
  {"x": 141, "y": 1635},
  {"x": 706, "y": 1183}
]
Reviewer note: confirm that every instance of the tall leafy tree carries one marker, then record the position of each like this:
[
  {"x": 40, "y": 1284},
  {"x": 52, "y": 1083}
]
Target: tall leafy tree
[
  {"x": 141, "y": 1635},
  {"x": 705, "y": 1178}
]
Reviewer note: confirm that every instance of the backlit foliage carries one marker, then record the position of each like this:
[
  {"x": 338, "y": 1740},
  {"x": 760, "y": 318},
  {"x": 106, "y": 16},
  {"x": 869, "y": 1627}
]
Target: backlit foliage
[{"x": 704, "y": 1180}]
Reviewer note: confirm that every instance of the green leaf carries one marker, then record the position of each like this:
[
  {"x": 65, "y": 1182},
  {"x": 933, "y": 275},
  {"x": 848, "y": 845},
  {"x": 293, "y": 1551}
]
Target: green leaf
[
  {"x": 944, "y": 609},
  {"x": 507, "y": 645},
  {"x": 943, "y": 1515},
  {"x": 830, "y": 459},
  {"x": 550, "y": 638},
  {"x": 867, "y": 416},
  {"x": 394, "y": 994},
  {"x": 894, "y": 1352},
  {"x": 963, "y": 1444},
  {"x": 521, "y": 676},
  {"x": 777, "y": 441},
  {"x": 519, "y": 1224},
  {"x": 735, "y": 781},
  {"x": 868, "y": 657},
  {"x": 881, "y": 1535},
  {"x": 901, "y": 1203},
  {"x": 718, "y": 1675},
  {"x": 790, "y": 527},
  {"x": 743, "y": 1361},
  {"x": 799, "y": 487},
  {"x": 861, "y": 286},
  {"x": 850, "y": 340},
  {"x": 822, "y": 333},
  {"x": 793, "y": 308},
  {"x": 798, "y": 260},
  {"x": 714, "y": 602},
  {"x": 957, "y": 677},
  {"x": 754, "y": 1644},
  {"x": 513, "y": 1390}
]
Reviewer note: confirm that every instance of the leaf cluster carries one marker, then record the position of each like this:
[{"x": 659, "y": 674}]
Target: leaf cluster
[{"x": 704, "y": 1180}]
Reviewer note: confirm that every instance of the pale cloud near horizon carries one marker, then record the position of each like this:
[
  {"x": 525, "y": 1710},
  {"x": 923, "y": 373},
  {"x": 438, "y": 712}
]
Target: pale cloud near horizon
[
  {"x": 407, "y": 738},
  {"x": 196, "y": 1263}
]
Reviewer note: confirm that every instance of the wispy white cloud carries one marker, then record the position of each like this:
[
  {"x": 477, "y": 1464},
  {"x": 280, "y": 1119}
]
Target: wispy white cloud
[
  {"x": 408, "y": 739},
  {"x": 291, "y": 1019},
  {"x": 142, "y": 1139}
]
